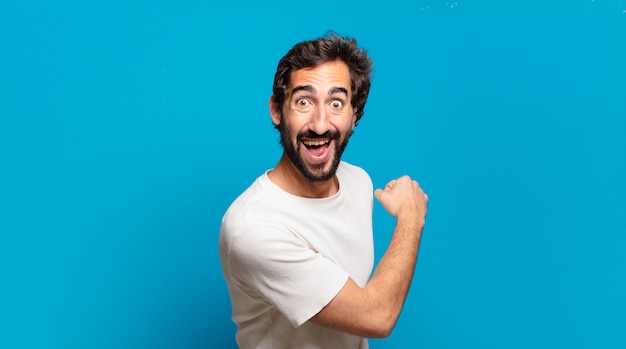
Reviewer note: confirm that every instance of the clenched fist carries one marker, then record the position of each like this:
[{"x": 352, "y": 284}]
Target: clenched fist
[{"x": 403, "y": 197}]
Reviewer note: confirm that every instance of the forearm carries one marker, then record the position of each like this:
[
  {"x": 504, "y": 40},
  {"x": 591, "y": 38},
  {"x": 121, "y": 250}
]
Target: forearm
[
  {"x": 372, "y": 311},
  {"x": 390, "y": 283}
]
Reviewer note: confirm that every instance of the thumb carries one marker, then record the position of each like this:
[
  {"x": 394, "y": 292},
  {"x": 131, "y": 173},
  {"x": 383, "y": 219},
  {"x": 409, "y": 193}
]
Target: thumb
[{"x": 378, "y": 193}]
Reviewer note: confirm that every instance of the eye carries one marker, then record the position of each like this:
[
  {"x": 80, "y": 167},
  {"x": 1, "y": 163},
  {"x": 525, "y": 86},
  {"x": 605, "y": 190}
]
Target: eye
[
  {"x": 337, "y": 105},
  {"x": 302, "y": 102}
]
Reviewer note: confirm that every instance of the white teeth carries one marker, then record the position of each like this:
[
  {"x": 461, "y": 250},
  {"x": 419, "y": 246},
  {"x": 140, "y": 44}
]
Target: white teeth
[{"x": 314, "y": 143}]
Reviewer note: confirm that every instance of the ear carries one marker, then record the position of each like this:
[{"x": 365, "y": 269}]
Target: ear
[
  {"x": 274, "y": 111},
  {"x": 354, "y": 118}
]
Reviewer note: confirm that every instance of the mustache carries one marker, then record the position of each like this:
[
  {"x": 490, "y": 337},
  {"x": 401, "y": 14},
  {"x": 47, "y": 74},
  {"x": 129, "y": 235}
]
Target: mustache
[{"x": 313, "y": 135}]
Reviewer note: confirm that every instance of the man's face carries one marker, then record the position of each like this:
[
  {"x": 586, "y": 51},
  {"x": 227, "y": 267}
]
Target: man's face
[{"x": 317, "y": 119}]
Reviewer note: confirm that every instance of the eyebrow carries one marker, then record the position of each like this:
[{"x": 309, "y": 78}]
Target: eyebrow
[
  {"x": 338, "y": 89},
  {"x": 298, "y": 88},
  {"x": 309, "y": 88}
]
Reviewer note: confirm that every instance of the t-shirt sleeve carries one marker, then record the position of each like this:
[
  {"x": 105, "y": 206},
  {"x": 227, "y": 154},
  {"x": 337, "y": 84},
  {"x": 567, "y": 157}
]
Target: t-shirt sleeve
[{"x": 277, "y": 267}]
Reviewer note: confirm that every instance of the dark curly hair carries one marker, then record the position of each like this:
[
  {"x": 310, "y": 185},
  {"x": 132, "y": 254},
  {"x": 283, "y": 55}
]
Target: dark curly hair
[{"x": 327, "y": 48}]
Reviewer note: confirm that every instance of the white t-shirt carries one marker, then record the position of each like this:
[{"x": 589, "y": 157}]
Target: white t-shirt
[{"x": 285, "y": 257}]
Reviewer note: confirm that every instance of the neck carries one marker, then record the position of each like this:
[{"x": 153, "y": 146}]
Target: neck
[{"x": 286, "y": 176}]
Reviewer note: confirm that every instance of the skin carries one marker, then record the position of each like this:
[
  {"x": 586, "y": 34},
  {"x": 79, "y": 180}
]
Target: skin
[
  {"x": 371, "y": 311},
  {"x": 317, "y": 102}
]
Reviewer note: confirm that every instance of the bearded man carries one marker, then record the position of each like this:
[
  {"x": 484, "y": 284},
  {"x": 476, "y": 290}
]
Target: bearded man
[{"x": 297, "y": 247}]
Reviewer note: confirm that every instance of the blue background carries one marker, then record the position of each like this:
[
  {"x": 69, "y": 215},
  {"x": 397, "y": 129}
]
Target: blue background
[{"x": 128, "y": 127}]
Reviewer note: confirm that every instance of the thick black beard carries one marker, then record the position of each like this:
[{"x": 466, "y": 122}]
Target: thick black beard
[{"x": 296, "y": 159}]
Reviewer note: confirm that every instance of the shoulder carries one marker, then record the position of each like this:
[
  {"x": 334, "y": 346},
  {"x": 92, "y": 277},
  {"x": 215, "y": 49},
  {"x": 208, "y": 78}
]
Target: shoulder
[
  {"x": 258, "y": 208},
  {"x": 350, "y": 169},
  {"x": 244, "y": 207},
  {"x": 351, "y": 174}
]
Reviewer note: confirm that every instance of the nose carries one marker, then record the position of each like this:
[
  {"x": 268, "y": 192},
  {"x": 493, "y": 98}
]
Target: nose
[{"x": 319, "y": 121}]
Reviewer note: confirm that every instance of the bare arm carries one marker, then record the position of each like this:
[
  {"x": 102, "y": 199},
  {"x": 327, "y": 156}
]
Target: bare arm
[{"x": 372, "y": 311}]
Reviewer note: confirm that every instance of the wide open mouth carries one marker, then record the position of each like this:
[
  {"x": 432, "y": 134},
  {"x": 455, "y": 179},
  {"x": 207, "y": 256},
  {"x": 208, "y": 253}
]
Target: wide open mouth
[{"x": 317, "y": 147}]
